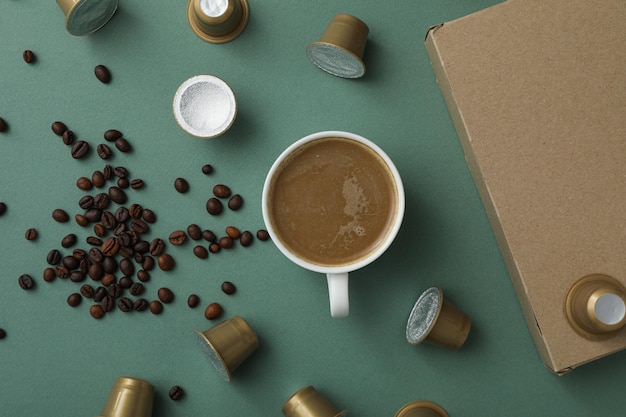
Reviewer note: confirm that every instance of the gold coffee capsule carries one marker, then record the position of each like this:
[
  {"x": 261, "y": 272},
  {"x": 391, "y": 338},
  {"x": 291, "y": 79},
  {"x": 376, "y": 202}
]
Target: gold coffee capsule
[
  {"x": 307, "y": 402},
  {"x": 129, "y": 397},
  {"x": 339, "y": 51},
  {"x": 228, "y": 344},
  {"x": 421, "y": 409},
  {"x": 218, "y": 21},
  {"x": 595, "y": 306},
  {"x": 435, "y": 320},
  {"x": 83, "y": 17}
]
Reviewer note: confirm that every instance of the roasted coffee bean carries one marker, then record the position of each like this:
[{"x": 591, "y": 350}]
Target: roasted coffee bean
[
  {"x": 95, "y": 272},
  {"x": 108, "y": 220},
  {"x": 214, "y": 206},
  {"x": 62, "y": 271},
  {"x": 101, "y": 201},
  {"x": 140, "y": 304},
  {"x": 111, "y": 135},
  {"x": 235, "y": 202},
  {"x": 59, "y": 128},
  {"x": 74, "y": 299},
  {"x": 81, "y": 220},
  {"x": 49, "y": 275},
  {"x": 60, "y": 215},
  {"x": 177, "y": 237},
  {"x": 99, "y": 230},
  {"x": 84, "y": 183},
  {"x": 165, "y": 295},
  {"x": 221, "y": 191},
  {"x": 80, "y": 149},
  {"x": 77, "y": 276},
  {"x": 118, "y": 195},
  {"x": 107, "y": 172},
  {"x": 68, "y": 137},
  {"x": 214, "y": 247},
  {"x": 157, "y": 246},
  {"x": 54, "y": 257},
  {"x": 87, "y": 291},
  {"x": 102, "y": 74},
  {"x": 3, "y": 125},
  {"x": 69, "y": 240},
  {"x": 125, "y": 239},
  {"x": 125, "y": 304},
  {"x": 70, "y": 262},
  {"x": 100, "y": 293},
  {"x": 141, "y": 247},
  {"x": 246, "y": 238},
  {"x": 108, "y": 279},
  {"x": 137, "y": 289},
  {"x": 104, "y": 152},
  {"x": 136, "y": 184},
  {"x": 85, "y": 202},
  {"x": 96, "y": 311},
  {"x": 126, "y": 282},
  {"x": 166, "y": 262},
  {"x": 201, "y": 252},
  {"x": 126, "y": 267},
  {"x": 79, "y": 254},
  {"x": 29, "y": 56},
  {"x": 148, "y": 216},
  {"x": 207, "y": 169},
  {"x": 139, "y": 226},
  {"x": 226, "y": 242},
  {"x": 181, "y": 185},
  {"x": 193, "y": 300},
  {"x": 213, "y": 311},
  {"x": 120, "y": 228},
  {"x": 135, "y": 210},
  {"x": 156, "y": 307},
  {"x": 228, "y": 287},
  {"x": 31, "y": 234},
  {"x": 194, "y": 231},
  {"x": 262, "y": 234},
  {"x": 233, "y": 232},
  {"x": 107, "y": 303},
  {"x": 209, "y": 236},
  {"x": 122, "y": 145},
  {"x": 121, "y": 214},
  {"x": 115, "y": 290},
  {"x": 110, "y": 246},
  {"x": 26, "y": 282},
  {"x": 109, "y": 265},
  {"x": 93, "y": 215},
  {"x": 120, "y": 172},
  {"x": 143, "y": 275},
  {"x": 176, "y": 393},
  {"x": 97, "y": 179},
  {"x": 84, "y": 265},
  {"x": 93, "y": 241},
  {"x": 123, "y": 183},
  {"x": 95, "y": 255}
]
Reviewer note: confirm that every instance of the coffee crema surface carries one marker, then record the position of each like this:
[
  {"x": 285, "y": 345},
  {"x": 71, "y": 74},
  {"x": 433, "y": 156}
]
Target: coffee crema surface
[{"x": 333, "y": 201}]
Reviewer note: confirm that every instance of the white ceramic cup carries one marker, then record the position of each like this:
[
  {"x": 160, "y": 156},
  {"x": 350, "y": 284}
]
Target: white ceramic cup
[{"x": 337, "y": 276}]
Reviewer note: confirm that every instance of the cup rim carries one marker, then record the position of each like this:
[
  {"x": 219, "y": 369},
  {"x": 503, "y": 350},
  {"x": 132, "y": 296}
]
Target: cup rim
[{"x": 374, "y": 254}]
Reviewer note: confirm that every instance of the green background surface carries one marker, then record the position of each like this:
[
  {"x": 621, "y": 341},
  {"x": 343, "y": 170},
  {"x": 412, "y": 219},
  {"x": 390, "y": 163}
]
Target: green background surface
[{"x": 58, "y": 361}]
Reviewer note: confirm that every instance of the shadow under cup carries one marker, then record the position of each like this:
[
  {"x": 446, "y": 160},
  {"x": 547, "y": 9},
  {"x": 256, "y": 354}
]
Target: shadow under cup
[{"x": 333, "y": 202}]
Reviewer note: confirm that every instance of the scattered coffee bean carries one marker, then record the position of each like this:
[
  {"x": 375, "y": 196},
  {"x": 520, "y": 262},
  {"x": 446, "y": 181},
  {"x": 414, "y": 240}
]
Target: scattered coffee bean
[
  {"x": 143, "y": 275},
  {"x": 233, "y": 232},
  {"x": 193, "y": 300},
  {"x": 207, "y": 169},
  {"x": 74, "y": 299},
  {"x": 110, "y": 246},
  {"x": 70, "y": 262},
  {"x": 107, "y": 303},
  {"x": 126, "y": 267},
  {"x": 214, "y": 206},
  {"x": 157, "y": 246},
  {"x": 181, "y": 185},
  {"x": 201, "y": 252},
  {"x": 49, "y": 275},
  {"x": 147, "y": 264},
  {"x": 54, "y": 257},
  {"x": 226, "y": 242},
  {"x": 120, "y": 172},
  {"x": 176, "y": 393},
  {"x": 100, "y": 293},
  {"x": 3, "y": 333},
  {"x": 194, "y": 231},
  {"x": 221, "y": 191},
  {"x": 95, "y": 272},
  {"x": 137, "y": 289},
  {"x": 108, "y": 220},
  {"x": 166, "y": 262},
  {"x": 112, "y": 134},
  {"x": 125, "y": 304},
  {"x": 26, "y": 282},
  {"x": 123, "y": 183},
  {"x": 102, "y": 74},
  {"x": 80, "y": 149},
  {"x": 62, "y": 271},
  {"x": 59, "y": 128},
  {"x": 85, "y": 202},
  {"x": 68, "y": 137},
  {"x": 117, "y": 195},
  {"x": 87, "y": 291},
  {"x": 96, "y": 311},
  {"x": 77, "y": 276},
  {"x": 115, "y": 290},
  {"x": 69, "y": 240},
  {"x": 29, "y": 56},
  {"x": 177, "y": 237},
  {"x": 135, "y": 210},
  {"x": 101, "y": 201},
  {"x": 148, "y": 216},
  {"x": 31, "y": 234},
  {"x": 165, "y": 295},
  {"x": 246, "y": 238},
  {"x": 60, "y": 215},
  {"x": 107, "y": 172},
  {"x": 262, "y": 234},
  {"x": 235, "y": 202},
  {"x": 213, "y": 311},
  {"x": 123, "y": 145},
  {"x": 93, "y": 215},
  {"x": 155, "y": 307},
  {"x": 97, "y": 179},
  {"x": 139, "y": 226},
  {"x": 104, "y": 152},
  {"x": 3, "y": 125},
  {"x": 126, "y": 282},
  {"x": 136, "y": 184},
  {"x": 214, "y": 247},
  {"x": 228, "y": 287},
  {"x": 140, "y": 304},
  {"x": 84, "y": 183},
  {"x": 209, "y": 236}
]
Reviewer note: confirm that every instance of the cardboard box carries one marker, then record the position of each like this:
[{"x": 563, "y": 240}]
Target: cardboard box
[{"x": 537, "y": 92}]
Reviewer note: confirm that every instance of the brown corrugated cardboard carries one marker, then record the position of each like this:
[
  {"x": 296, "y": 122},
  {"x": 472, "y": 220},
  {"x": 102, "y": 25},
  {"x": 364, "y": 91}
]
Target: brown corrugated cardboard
[{"x": 537, "y": 93}]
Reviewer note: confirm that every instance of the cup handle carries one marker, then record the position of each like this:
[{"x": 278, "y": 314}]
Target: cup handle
[{"x": 338, "y": 294}]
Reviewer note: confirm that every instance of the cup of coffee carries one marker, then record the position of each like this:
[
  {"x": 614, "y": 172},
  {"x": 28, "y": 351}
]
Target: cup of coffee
[{"x": 332, "y": 203}]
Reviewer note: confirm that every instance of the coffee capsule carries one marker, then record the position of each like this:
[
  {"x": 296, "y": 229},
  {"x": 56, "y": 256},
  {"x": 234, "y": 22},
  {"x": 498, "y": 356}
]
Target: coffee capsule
[
  {"x": 83, "y": 17},
  {"x": 434, "y": 320},
  {"x": 218, "y": 21},
  {"x": 129, "y": 397},
  {"x": 595, "y": 306},
  {"x": 339, "y": 51},
  {"x": 307, "y": 402},
  {"x": 421, "y": 409},
  {"x": 228, "y": 344},
  {"x": 205, "y": 106}
]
